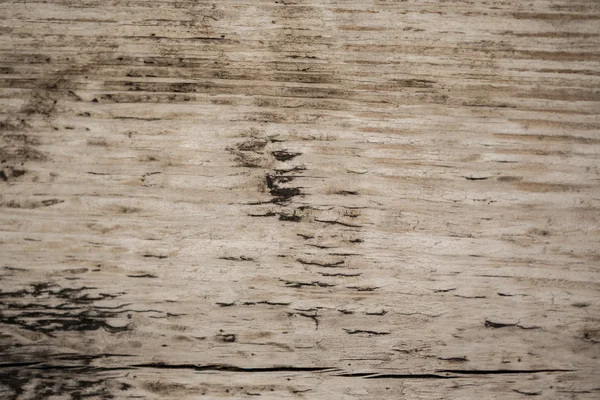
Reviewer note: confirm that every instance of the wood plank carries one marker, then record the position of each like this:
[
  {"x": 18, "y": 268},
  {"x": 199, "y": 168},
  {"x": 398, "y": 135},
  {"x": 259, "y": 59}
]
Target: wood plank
[{"x": 299, "y": 199}]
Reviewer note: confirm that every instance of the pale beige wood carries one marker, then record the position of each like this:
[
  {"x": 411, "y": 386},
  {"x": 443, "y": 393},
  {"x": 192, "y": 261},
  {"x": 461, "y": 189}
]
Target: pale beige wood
[{"x": 299, "y": 199}]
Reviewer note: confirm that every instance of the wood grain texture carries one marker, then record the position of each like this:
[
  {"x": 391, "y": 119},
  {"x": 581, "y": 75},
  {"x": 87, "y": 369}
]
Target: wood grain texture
[{"x": 299, "y": 199}]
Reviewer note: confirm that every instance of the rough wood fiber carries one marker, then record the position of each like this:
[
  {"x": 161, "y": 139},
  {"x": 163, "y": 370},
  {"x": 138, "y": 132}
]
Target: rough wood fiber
[{"x": 352, "y": 199}]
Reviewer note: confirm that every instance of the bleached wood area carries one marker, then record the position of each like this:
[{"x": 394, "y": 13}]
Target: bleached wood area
[{"x": 351, "y": 199}]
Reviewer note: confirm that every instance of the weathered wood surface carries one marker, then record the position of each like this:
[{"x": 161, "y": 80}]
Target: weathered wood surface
[{"x": 299, "y": 199}]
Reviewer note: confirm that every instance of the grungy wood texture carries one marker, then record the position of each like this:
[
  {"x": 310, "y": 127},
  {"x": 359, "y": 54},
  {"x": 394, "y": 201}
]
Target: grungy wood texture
[{"x": 299, "y": 199}]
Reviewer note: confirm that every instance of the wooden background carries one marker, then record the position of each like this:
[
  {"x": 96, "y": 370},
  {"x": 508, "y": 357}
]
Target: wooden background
[{"x": 349, "y": 199}]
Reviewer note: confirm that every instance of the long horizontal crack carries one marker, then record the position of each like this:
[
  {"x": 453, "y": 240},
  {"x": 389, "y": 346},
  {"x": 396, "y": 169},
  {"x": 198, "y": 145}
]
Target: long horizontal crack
[
  {"x": 501, "y": 371},
  {"x": 437, "y": 374},
  {"x": 455, "y": 373},
  {"x": 409, "y": 376},
  {"x": 370, "y": 375},
  {"x": 18, "y": 365},
  {"x": 232, "y": 368}
]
